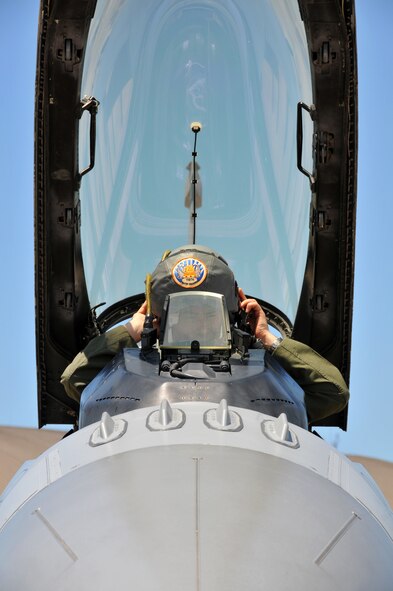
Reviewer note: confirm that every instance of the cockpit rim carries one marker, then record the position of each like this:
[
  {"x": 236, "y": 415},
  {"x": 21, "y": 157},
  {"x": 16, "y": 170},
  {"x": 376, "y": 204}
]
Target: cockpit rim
[{"x": 125, "y": 308}]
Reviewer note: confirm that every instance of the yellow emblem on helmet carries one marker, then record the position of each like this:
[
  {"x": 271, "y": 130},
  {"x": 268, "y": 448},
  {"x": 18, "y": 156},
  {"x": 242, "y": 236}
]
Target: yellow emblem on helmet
[{"x": 189, "y": 272}]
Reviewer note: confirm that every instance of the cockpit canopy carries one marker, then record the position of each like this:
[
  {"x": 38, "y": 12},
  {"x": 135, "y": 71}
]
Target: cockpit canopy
[{"x": 118, "y": 85}]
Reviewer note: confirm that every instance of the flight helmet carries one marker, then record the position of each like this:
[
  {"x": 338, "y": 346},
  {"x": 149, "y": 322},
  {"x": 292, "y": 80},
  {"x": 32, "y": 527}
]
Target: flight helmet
[{"x": 193, "y": 267}]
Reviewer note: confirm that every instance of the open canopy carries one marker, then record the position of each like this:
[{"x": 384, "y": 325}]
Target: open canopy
[{"x": 118, "y": 86}]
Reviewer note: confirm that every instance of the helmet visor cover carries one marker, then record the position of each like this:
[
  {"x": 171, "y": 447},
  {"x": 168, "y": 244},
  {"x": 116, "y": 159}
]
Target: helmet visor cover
[{"x": 196, "y": 316}]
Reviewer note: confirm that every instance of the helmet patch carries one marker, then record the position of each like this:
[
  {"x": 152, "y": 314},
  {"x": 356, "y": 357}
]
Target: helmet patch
[{"x": 189, "y": 272}]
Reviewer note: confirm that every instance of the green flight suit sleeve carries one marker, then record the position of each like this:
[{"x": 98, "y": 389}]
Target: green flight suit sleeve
[
  {"x": 326, "y": 392},
  {"x": 87, "y": 364}
]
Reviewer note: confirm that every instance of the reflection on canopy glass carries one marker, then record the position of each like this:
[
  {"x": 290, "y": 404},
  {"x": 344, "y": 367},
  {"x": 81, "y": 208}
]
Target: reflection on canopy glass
[
  {"x": 239, "y": 68},
  {"x": 197, "y": 316}
]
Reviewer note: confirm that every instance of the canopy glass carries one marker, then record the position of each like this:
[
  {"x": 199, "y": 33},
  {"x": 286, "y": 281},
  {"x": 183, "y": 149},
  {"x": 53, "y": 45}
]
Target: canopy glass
[{"x": 239, "y": 68}]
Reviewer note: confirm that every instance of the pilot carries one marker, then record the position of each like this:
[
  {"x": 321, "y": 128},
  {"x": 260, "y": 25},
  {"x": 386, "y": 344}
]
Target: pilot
[{"x": 191, "y": 267}]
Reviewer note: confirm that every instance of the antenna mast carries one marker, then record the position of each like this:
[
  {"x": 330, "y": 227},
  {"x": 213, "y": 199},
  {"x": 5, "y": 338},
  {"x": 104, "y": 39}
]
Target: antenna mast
[{"x": 196, "y": 128}]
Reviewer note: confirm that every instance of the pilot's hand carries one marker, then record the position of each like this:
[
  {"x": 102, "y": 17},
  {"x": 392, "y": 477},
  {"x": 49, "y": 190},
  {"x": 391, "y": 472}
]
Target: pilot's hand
[
  {"x": 256, "y": 318},
  {"x": 135, "y": 325}
]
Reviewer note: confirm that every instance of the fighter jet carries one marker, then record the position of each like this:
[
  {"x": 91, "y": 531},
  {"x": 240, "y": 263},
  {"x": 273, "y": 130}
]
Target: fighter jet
[{"x": 191, "y": 462}]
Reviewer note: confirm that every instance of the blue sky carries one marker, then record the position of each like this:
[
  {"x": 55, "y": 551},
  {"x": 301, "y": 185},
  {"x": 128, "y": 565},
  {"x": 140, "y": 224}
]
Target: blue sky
[{"x": 371, "y": 407}]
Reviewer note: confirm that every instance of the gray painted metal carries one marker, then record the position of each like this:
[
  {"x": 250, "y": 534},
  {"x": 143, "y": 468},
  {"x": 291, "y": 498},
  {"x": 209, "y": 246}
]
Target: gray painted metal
[
  {"x": 196, "y": 517},
  {"x": 133, "y": 381}
]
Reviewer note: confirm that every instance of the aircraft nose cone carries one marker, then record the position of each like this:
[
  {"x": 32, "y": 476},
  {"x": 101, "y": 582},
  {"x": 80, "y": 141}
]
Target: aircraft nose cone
[{"x": 198, "y": 517}]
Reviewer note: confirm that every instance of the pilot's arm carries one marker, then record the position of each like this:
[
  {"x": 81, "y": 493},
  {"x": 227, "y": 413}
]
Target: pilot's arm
[
  {"x": 325, "y": 390},
  {"x": 99, "y": 352}
]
